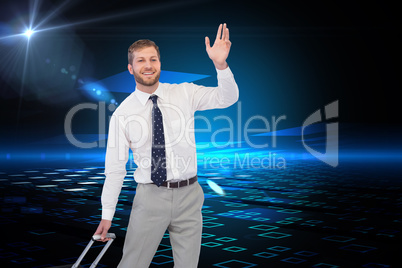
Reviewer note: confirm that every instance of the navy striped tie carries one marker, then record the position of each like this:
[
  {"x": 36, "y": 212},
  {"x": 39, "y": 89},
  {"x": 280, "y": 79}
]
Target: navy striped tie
[{"x": 158, "y": 167}]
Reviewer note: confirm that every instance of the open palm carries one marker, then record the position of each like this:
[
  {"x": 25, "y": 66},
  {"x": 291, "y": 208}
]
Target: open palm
[{"x": 219, "y": 52}]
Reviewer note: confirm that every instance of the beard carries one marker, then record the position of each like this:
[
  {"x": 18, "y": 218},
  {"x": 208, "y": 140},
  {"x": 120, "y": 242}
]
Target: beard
[{"x": 140, "y": 80}]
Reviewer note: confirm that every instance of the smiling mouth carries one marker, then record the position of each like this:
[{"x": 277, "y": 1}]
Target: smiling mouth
[{"x": 148, "y": 73}]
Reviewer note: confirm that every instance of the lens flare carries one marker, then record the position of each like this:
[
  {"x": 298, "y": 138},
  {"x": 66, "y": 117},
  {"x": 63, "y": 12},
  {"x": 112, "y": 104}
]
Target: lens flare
[
  {"x": 28, "y": 33},
  {"x": 216, "y": 188}
]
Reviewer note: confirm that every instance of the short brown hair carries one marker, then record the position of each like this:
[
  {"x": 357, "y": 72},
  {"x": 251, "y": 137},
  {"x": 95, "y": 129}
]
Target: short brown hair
[{"x": 140, "y": 44}]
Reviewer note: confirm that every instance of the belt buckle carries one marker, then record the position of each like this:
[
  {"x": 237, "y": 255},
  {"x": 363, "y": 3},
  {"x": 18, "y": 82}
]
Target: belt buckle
[{"x": 168, "y": 185}]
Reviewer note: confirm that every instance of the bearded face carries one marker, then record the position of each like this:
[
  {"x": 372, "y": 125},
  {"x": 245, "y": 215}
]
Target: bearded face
[{"x": 146, "y": 67}]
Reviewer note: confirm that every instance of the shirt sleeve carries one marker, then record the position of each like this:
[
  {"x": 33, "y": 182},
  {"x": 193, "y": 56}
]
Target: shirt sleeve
[
  {"x": 222, "y": 96},
  {"x": 115, "y": 165}
]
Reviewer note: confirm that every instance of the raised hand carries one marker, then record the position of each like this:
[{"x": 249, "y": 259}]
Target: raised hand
[{"x": 219, "y": 52}]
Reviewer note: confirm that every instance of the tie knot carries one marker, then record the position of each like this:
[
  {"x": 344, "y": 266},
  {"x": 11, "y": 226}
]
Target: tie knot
[{"x": 154, "y": 98}]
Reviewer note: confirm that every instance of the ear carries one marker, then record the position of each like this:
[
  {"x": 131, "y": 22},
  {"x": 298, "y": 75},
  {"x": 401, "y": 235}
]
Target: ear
[{"x": 130, "y": 69}]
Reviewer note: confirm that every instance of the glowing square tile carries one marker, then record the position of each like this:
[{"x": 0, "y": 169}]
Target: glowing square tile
[
  {"x": 275, "y": 235},
  {"x": 265, "y": 255},
  {"x": 291, "y": 211},
  {"x": 284, "y": 222},
  {"x": 41, "y": 232},
  {"x": 234, "y": 263},
  {"x": 226, "y": 239},
  {"x": 18, "y": 244},
  {"x": 338, "y": 238},
  {"x": 375, "y": 265},
  {"x": 358, "y": 248},
  {"x": 242, "y": 216},
  {"x": 7, "y": 254},
  {"x": 293, "y": 260},
  {"x": 234, "y": 249},
  {"x": 279, "y": 248},
  {"x": 236, "y": 205},
  {"x": 163, "y": 247},
  {"x": 261, "y": 219},
  {"x": 236, "y": 211},
  {"x": 207, "y": 218},
  {"x": 32, "y": 248},
  {"x": 324, "y": 265},
  {"x": 211, "y": 244},
  {"x": 306, "y": 253},
  {"x": 23, "y": 260},
  {"x": 263, "y": 227},
  {"x": 209, "y": 224},
  {"x": 207, "y": 211},
  {"x": 161, "y": 259},
  {"x": 205, "y": 235},
  {"x": 252, "y": 213}
]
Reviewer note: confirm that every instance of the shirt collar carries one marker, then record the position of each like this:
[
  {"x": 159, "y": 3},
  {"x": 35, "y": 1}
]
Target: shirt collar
[{"x": 143, "y": 96}]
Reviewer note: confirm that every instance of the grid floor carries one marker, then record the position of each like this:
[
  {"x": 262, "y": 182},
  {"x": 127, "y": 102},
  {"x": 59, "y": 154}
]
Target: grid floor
[{"x": 307, "y": 215}]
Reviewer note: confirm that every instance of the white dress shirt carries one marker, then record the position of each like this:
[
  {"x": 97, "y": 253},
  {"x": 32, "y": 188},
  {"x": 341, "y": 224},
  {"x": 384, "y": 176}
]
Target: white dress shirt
[{"x": 131, "y": 128}]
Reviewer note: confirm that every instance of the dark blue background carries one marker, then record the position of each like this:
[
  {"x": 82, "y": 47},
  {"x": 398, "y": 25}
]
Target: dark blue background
[{"x": 289, "y": 58}]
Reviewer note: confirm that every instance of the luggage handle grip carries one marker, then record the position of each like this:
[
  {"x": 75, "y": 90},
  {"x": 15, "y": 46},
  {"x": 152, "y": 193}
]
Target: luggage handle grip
[
  {"x": 108, "y": 235},
  {"x": 94, "y": 238}
]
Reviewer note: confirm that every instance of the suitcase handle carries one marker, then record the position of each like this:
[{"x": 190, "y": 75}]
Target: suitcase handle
[
  {"x": 108, "y": 235},
  {"x": 93, "y": 239}
]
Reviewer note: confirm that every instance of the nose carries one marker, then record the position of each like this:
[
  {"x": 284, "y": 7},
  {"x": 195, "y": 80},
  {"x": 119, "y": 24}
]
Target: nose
[{"x": 148, "y": 64}]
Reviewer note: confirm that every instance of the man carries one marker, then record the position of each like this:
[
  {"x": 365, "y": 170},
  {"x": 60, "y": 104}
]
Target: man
[{"x": 157, "y": 123}]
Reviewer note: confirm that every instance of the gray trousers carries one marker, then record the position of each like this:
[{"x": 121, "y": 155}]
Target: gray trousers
[{"x": 156, "y": 209}]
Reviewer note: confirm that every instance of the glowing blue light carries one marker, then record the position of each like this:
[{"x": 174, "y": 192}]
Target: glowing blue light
[
  {"x": 98, "y": 92},
  {"x": 75, "y": 190},
  {"x": 28, "y": 33},
  {"x": 215, "y": 187}
]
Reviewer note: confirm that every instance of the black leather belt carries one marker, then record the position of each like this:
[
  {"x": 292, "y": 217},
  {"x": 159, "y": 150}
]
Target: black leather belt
[{"x": 180, "y": 184}]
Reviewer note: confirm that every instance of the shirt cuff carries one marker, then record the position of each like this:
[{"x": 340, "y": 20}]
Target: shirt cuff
[
  {"x": 107, "y": 214},
  {"x": 225, "y": 73}
]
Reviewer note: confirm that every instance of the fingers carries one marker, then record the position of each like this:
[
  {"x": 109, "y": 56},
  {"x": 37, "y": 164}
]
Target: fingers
[
  {"x": 98, "y": 230},
  {"x": 103, "y": 235},
  {"x": 207, "y": 44},
  {"x": 102, "y": 229},
  {"x": 227, "y": 34},
  {"x": 219, "y": 33},
  {"x": 223, "y": 32}
]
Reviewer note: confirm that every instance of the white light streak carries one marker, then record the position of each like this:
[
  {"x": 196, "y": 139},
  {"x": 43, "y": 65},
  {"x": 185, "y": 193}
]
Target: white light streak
[{"x": 28, "y": 33}]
